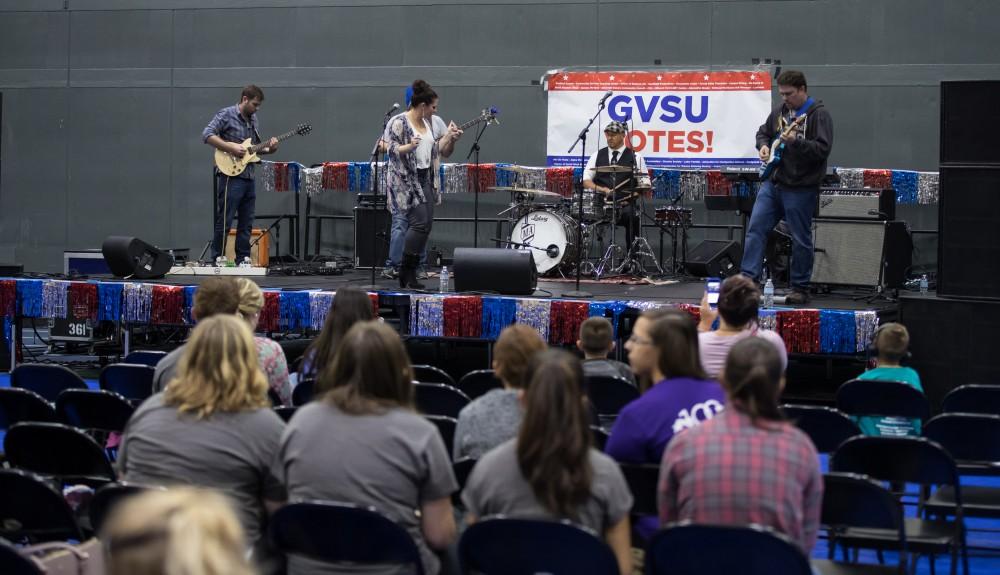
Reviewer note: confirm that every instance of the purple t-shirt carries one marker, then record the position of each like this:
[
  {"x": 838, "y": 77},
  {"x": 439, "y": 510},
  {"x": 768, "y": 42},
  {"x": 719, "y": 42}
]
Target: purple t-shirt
[{"x": 645, "y": 427}]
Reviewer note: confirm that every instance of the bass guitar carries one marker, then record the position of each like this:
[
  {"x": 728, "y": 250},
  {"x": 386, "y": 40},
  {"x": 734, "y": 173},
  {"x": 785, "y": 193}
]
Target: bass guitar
[
  {"x": 233, "y": 166},
  {"x": 488, "y": 116},
  {"x": 777, "y": 147}
]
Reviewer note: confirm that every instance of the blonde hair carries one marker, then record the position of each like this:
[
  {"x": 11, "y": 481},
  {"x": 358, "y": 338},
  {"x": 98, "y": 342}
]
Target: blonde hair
[
  {"x": 251, "y": 298},
  {"x": 219, "y": 370},
  {"x": 183, "y": 531}
]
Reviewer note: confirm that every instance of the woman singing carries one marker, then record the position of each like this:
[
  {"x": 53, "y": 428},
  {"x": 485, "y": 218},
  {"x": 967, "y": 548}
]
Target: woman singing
[{"x": 415, "y": 142}]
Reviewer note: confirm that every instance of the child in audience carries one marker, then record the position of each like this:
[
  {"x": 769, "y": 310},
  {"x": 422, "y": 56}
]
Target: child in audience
[
  {"x": 213, "y": 426},
  {"x": 350, "y": 305},
  {"x": 596, "y": 342},
  {"x": 892, "y": 341},
  {"x": 182, "y": 531},
  {"x": 495, "y": 417},
  {"x": 747, "y": 465},
  {"x": 361, "y": 441},
  {"x": 550, "y": 470},
  {"x": 270, "y": 356}
]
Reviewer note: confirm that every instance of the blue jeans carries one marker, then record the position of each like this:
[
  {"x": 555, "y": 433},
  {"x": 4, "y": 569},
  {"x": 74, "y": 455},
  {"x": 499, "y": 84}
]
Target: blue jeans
[
  {"x": 797, "y": 206},
  {"x": 236, "y": 197},
  {"x": 398, "y": 233}
]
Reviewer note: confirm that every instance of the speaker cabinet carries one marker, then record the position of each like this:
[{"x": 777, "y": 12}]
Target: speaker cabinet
[
  {"x": 714, "y": 258},
  {"x": 131, "y": 257},
  {"x": 861, "y": 253},
  {"x": 369, "y": 223},
  {"x": 970, "y": 119},
  {"x": 509, "y": 272},
  {"x": 969, "y": 237},
  {"x": 260, "y": 249}
]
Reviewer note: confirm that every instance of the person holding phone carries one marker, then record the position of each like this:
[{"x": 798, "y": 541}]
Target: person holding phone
[{"x": 738, "y": 301}]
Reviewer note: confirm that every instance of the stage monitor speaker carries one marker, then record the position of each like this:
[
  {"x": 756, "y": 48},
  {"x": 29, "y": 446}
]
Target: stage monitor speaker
[
  {"x": 861, "y": 253},
  {"x": 131, "y": 257},
  {"x": 714, "y": 259},
  {"x": 504, "y": 271},
  {"x": 968, "y": 234},
  {"x": 970, "y": 120},
  {"x": 364, "y": 220}
]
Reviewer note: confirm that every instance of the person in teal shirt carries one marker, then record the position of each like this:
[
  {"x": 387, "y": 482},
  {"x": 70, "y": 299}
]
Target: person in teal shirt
[{"x": 892, "y": 341}]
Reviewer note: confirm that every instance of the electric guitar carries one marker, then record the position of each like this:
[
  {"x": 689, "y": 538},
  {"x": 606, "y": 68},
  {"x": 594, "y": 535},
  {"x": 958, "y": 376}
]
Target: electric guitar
[
  {"x": 233, "y": 166},
  {"x": 777, "y": 147},
  {"x": 488, "y": 116}
]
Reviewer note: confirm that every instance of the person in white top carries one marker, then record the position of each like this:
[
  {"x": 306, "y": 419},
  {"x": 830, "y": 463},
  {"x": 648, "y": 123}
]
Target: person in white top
[{"x": 617, "y": 185}]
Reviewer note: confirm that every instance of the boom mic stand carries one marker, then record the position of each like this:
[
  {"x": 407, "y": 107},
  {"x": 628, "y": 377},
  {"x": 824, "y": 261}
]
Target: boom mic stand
[
  {"x": 582, "y": 138},
  {"x": 475, "y": 214},
  {"x": 375, "y": 192}
]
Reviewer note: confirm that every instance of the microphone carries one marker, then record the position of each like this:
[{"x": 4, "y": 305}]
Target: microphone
[
  {"x": 395, "y": 106},
  {"x": 606, "y": 96}
]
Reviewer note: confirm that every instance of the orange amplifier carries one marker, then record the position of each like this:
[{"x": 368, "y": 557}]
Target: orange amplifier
[{"x": 260, "y": 250}]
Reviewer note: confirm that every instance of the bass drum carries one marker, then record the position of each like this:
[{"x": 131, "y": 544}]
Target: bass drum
[{"x": 551, "y": 237}]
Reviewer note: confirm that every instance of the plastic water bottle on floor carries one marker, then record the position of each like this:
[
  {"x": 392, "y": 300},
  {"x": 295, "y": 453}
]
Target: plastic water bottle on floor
[
  {"x": 923, "y": 284},
  {"x": 768, "y": 294},
  {"x": 444, "y": 279}
]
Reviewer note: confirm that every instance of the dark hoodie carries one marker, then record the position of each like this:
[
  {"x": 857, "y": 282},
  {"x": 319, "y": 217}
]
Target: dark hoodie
[{"x": 803, "y": 161}]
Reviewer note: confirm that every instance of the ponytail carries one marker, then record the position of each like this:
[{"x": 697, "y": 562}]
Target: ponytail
[
  {"x": 752, "y": 379},
  {"x": 553, "y": 445}
]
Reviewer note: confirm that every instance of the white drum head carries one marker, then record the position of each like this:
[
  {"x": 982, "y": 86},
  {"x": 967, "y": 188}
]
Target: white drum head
[{"x": 541, "y": 229}]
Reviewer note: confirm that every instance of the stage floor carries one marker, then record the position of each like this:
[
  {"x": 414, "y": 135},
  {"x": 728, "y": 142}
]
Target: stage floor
[{"x": 686, "y": 290}]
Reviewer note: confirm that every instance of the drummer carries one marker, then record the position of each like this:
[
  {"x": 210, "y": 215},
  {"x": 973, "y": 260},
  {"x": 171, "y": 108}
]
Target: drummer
[{"x": 603, "y": 175}]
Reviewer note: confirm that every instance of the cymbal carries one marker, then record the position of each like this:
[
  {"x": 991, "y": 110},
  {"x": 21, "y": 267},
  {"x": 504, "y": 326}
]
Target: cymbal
[
  {"x": 523, "y": 191},
  {"x": 517, "y": 169},
  {"x": 612, "y": 169}
]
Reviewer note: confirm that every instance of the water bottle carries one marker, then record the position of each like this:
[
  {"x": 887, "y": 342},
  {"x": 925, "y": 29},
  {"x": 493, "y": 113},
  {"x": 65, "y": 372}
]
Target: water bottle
[
  {"x": 768, "y": 294},
  {"x": 923, "y": 284},
  {"x": 445, "y": 276}
]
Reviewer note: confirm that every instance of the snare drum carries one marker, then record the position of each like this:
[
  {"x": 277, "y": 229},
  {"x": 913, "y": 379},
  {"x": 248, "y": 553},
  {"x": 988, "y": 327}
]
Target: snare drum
[
  {"x": 674, "y": 216},
  {"x": 552, "y": 232},
  {"x": 593, "y": 205}
]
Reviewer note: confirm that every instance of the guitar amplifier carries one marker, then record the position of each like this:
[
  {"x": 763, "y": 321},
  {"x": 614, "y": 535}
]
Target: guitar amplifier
[
  {"x": 857, "y": 203},
  {"x": 371, "y": 224},
  {"x": 861, "y": 253}
]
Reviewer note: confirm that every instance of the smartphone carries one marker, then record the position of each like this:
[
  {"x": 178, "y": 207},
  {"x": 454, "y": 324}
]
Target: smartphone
[{"x": 712, "y": 288}]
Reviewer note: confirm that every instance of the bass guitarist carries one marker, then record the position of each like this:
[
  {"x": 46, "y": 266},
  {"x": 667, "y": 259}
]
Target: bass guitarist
[
  {"x": 791, "y": 189},
  {"x": 235, "y": 195}
]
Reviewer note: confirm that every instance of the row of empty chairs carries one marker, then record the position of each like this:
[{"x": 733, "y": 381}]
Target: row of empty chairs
[{"x": 131, "y": 380}]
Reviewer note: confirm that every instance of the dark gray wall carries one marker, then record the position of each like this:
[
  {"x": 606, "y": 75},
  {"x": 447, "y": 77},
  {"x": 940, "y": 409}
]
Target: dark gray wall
[{"x": 103, "y": 103}]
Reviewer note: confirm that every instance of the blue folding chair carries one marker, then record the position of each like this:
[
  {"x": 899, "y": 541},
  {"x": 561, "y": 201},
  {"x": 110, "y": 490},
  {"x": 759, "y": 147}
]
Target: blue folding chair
[
  {"x": 686, "y": 549},
  {"x": 58, "y": 451},
  {"x": 133, "y": 381},
  {"x": 335, "y": 532},
  {"x": 973, "y": 398},
  {"x": 150, "y": 358},
  {"x": 31, "y": 508},
  {"x": 17, "y": 405},
  {"x": 446, "y": 427},
  {"x": 439, "y": 399},
  {"x": 826, "y": 427},
  {"x": 479, "y": 382},
  {"x": 47, "y": 380},
  {"x": 431, "y": 374},
  {"x": 94, "y": 409},
  {"x": 504, "y": 546}
]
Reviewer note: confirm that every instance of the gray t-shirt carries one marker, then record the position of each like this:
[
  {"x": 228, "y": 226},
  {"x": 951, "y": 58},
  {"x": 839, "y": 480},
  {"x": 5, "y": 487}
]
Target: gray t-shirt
[
  {"x": 496, "y": 486},
  {"x": 608, "y": 367},
  {"x": 394, "y": 461},
  {"x": 488, "y": 421},
  {"x": 235, "y": 453},
  {"x": 166, "y": 369}
]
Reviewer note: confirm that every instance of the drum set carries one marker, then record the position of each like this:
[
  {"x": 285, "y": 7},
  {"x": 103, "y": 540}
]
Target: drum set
[{"x": 561, "y": 232}]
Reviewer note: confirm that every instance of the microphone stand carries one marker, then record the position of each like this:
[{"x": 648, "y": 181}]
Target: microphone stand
[
  {"x": 475, "y": 214},
  {"x": 375, "y": 193},
  {"x": 582, "y": 138}
]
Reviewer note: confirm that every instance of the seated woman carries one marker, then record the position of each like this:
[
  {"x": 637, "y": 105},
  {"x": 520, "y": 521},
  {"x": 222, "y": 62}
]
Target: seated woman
[
  {"x": 362, "y": 442},
  {"x": 269, "y": 353},
  {"x": 747, "y": 465},
  {"x": 213, "y": 426},
  {"x": 739, "y": 301},
  {"x": 350, "y": 305},
  {"x": 182, "y": 531},
  {"x": 495, "y": 417},
  {"x": 550, "y": 470}
]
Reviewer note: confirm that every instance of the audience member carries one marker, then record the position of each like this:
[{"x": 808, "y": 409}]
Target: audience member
[
  {"x": 213, "y": 426},
  {"x": 182, "y": 531},
  {"x": 215, "y": 295},
  {"x": 892, "y": 341},
  {"x": 747, "y": 465},
  {"x": 350, "y": 305},
  {"x": 596, "y": 342},
  {"x": 495, "y": 417},
  {"x": 362, "y": 442},
  {"x": 270, "y": 356},
  {"x": 739, "y": 300},
  {"x": 550, "y": 470}
]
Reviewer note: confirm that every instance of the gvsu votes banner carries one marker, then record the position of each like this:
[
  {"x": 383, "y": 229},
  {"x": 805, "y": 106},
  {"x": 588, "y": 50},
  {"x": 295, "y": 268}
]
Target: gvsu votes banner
[{"x": 676, "y": 119}]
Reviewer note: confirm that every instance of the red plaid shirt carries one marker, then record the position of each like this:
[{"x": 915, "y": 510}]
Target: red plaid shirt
[{"x": 728, "y": 472}]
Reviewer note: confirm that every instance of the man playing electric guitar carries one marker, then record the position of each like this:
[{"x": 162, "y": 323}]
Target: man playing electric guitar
[
  {"x": 235, "y": 195},
  {"x": 791, "y": 188},
  {"x": 617, "y": 186}
]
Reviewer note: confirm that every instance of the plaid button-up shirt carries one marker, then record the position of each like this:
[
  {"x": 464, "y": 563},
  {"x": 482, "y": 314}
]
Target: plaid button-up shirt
[
  {"x": 230, "y": 125},
  {"x": 726, "y": 471}
]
